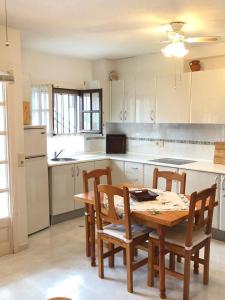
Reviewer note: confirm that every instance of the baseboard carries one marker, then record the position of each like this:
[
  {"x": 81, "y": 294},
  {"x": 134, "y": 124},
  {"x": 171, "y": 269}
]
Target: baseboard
[
  {"x": 218, "y": 234},
  {"x": 67, "y": 216}
]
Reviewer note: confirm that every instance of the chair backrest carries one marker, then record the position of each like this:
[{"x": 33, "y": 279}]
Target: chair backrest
[
  {"x": 200, "y": 213},
  {"x": 109, "y": 214},
  {"x": 170, "y": 177},
  {"x": 95, "y": 175}
]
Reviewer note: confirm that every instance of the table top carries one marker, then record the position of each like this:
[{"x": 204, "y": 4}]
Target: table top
[{"x": 149, "y": 218}]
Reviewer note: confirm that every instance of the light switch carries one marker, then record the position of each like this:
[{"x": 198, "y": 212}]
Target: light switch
[{"x": 21, "y": 159}]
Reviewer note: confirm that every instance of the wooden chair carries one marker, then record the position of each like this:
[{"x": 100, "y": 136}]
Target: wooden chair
[
  {"x": 170, "y": 177},
  {"x": 187, "y": 239},
  {"x": 95, "y": 176},
  {"x": 119, "y": 232}
]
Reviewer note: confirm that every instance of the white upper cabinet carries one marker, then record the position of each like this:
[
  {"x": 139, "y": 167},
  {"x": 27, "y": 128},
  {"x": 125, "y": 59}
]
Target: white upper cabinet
[
  {"x": 123, "y": 100},
  {"x": 208, "y": 97},
  {"x": 145, "y": 99},
  {"x": 173, "y": 98}
]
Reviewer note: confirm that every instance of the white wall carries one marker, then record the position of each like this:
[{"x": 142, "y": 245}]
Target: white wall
[
  {"x": 10, "y": 60},
  {"x": 42, "y": 68}
]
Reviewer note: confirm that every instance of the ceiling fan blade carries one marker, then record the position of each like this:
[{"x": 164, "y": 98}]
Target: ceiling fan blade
[{"x": 202, "y": 39}]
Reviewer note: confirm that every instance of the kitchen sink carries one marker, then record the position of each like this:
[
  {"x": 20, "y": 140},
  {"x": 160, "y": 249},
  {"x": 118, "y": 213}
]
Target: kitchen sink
[
  {"x": 63, "y": 159},
  {"x": 172, "y": 161}
]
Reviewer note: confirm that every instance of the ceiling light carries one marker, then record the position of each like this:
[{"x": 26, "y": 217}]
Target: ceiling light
[{"x": 175, "y": 49}]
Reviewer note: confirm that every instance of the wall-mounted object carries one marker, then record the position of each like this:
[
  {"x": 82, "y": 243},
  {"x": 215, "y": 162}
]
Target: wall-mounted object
[
  {"x": 219, "y": 153},
  {"x": 113, "y": 75},
  {"x": 195, "y": 65},
  {"x": 115, "y": 143},
  {"x": 26, "y": 113}
]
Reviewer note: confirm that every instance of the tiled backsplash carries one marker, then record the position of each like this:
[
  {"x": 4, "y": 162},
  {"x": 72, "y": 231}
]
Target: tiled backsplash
[{"x": 181, "y": 140}]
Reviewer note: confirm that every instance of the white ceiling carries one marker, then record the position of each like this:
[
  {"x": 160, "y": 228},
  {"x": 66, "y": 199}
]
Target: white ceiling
[{"x": 109, "y": 28}]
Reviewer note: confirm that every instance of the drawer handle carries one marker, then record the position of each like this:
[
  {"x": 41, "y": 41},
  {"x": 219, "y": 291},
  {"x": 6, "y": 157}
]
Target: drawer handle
[{"x": 134, "y": 168}]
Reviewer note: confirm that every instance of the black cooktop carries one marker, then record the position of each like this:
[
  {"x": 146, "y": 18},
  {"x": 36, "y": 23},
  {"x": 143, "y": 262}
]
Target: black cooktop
[{"x": 172, "y": 161}]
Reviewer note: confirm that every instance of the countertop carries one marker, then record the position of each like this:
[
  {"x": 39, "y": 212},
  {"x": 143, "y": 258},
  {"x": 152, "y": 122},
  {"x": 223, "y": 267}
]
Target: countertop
[{"x": 205, "y": 166}]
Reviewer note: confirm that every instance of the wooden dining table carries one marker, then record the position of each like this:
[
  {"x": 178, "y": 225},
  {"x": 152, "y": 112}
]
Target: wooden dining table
[{"x": 158, "y": 221}]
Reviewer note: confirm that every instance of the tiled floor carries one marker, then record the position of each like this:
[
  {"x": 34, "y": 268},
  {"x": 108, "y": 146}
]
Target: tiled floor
[{"x": 55, "y": 265}]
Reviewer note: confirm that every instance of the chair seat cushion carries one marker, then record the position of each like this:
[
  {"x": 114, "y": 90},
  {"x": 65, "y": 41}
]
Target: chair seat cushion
[
  {"x": 118, "y": 231},
  {"x": 177, "y": 235}
]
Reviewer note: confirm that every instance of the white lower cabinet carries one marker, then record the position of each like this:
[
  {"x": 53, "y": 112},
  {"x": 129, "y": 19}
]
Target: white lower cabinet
[
  {"x": 197, "y": 181},
  {"x": 148, "y": 176},
  {"x": 133, "y": 172},
  {"x": 117, "y": 171},
  {"x": 102, "y": 164},
  {"x": 79, "y": 168},
  {"x": 61, "y": 189}
]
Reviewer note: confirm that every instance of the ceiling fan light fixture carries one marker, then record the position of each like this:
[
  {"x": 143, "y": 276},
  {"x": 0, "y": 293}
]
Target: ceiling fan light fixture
[{"x": 175, "y": 49}]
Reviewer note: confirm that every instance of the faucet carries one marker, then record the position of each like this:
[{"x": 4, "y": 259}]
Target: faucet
[{"x": 57, "y": 154}]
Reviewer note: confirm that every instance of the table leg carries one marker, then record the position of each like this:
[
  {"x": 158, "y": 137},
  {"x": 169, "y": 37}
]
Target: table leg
[
  {"x": 161, "y": 235},
  {"x": 92, "y": 235},
  {"x": 87, "y": 229}
]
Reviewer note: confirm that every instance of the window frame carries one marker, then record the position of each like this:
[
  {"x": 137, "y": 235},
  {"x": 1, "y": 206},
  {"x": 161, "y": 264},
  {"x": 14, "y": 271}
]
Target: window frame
[
  {"x": 82, "y": 111},
  {"x": 68, "y": 92}
]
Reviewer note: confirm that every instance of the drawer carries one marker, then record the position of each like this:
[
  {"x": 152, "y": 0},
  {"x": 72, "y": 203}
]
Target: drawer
[{"x": 134, "y": 172}]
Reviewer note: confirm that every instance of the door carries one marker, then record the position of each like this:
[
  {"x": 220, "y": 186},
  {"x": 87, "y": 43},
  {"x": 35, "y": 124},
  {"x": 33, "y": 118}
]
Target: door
[
  {"x": 117, "y": 171},
  {"x": 145, "y": 99},
  {"x": 79, "y": 168},
  {"x": 35, "y": 141},
  {"x": 207, "y": 97},
  {"x": 5, "y": 218},
  {"x": 117, "y": 100},
  {"x": 37, "y": 194},
  {"x": 197, "y": 181},
  {"x": 129, "y": 101},
  {"x": 61, "y": 189},
  {"x": 148, "y": 177},
  {"x": 173, "y": 98}
]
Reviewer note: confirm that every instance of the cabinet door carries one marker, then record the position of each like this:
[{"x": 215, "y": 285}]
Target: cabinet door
[
  {"x": 197, "y": 181},
  {"x": 148, "y": 177},
  {"x": 129, "y": 100},
  {"x": 62, "y": 189},
  {"x": 117, "y": 100},
  {"x": 79, "y": 168},
  {"x": 117, "y": 171},
  {"x": 102, "y": 164},
  {"x": 173, "y": 98},
  {"x": 145, "y": 99},
  {"x": 208, "y": 97},
  {"x": 134, "y": 172}
]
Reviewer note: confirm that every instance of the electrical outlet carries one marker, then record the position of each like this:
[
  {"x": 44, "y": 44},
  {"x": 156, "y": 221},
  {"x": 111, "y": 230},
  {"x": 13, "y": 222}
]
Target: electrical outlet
[{"x": 21, "y": 159}]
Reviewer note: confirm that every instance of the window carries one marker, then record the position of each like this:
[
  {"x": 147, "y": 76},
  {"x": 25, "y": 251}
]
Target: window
[
  {"x": 91, "y": 111},
  {"x": 4, "y": 182},
  {"x": 65, "y": 111},
  {"x": 41, "y": 106}
]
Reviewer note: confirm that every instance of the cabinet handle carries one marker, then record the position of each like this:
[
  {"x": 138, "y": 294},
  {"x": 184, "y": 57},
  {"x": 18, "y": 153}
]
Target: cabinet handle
[
  {"x": 152, "y": 115},
  {"x": 223, "y": 188},
  {"x": 216, "y": 180},
  {"x": 134, "y": 168},
  {"x": 125, "y": 115},
  {"x": 121, "y": 115},
  {"x": 72, "y": 172},
  {"x": 78, "y": 171}
]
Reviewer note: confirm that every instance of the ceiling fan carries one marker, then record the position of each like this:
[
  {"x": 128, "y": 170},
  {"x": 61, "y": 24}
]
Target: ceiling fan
[{"x": 177, "y": 40}]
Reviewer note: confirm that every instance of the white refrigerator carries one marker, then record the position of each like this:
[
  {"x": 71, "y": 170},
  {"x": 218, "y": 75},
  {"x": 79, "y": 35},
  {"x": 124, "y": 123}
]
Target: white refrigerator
[{"x": 36, "y": 178}]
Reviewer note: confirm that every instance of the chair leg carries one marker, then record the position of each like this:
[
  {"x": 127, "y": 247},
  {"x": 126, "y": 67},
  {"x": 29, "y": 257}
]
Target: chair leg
[
  {"x": 87, "y": 231},
  {"x": 124, "y": 257},
  {"x": 92, "y": 236},
  {"x": 196, "y": 264},
  {"x": 151, "y": 259},
  {"x": 111, "y": 258},
  {"x": 172, "y": 261},
  {"x": 129, "y": 258},
  {"x": 100, "y": 258},
  {"x": 206, "y": 262},
  {"x": 156, "y": 259},
  {"x": 187, "y": 262}
]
